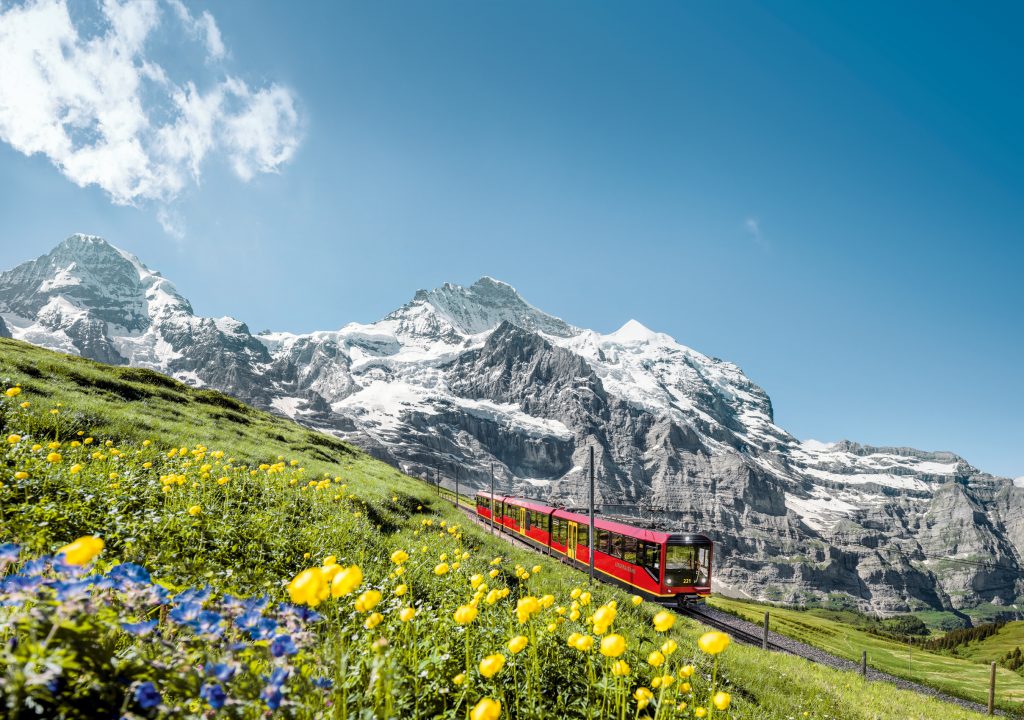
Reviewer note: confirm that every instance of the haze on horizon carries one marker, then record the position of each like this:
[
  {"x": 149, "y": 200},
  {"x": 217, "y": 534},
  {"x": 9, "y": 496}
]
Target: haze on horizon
[{"x": 827, "y": 196}]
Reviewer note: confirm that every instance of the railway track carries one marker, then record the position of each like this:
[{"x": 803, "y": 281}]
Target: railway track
[{"x": 750, "y": 634}]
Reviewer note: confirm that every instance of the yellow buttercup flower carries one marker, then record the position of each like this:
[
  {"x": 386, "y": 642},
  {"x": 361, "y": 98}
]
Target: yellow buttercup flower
[
  {"x": 399, "y": 556},
  {"x": 585, "y": 598},
  {"x": 643, "y": 697},
  {"x": 492, "y": 665},
  {"x": 459, "y": 679},
  {"x": 12, "y": 439},
  {"x": 346, "y": 581},
  {"x": 465, "y": 614},
  {"x": 721, "y": 700},
  {"x": 700, "y": 712},
  {"x": 494, "y": 573},
  {"x": 81, "y": 551},
  {"x": 656, "y": 659},
  {"x": 613, "y": 645},
  {"x": 195, "y": 510},
  {"x": 476, "y": 580},
  {"x": 13, "y": 392},
  {"x": 373, "y": 620},
  {"x": 21, "y": 475},
  {"x": 669, "y": 646},
  {"x": 308, "y": 588},
  {"x": 441, "y": 569},
  {"x": 401, "y": 590},
  {"x": 407, "y": 614},
  {"x": 367, "y": 601},
  {"x": 620, "y": 668},
  {"x": 686, "y": 670},
  {"x": 584, "y": 643},
  {"x": 713, "y": 642},
  {"x": 663, "y": 621},
  {"x": 517, "y": 644},
  {"x": 486, "y": 709},
  {"x": 576, "y": 592},
  {"x": 636, "y": 600},
  {"x": 75, "y": 469},
  {"x": 54, "y": 458},
  {"x": 330, "y": 560}
]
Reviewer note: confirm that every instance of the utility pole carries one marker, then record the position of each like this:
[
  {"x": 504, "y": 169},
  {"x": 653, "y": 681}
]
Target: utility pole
[
  {"x": 437, "y": 481},
  {"x": 493, "y": 504},
  {"x": 592, "y": 540},
  {"x": 456, "y": 486}
]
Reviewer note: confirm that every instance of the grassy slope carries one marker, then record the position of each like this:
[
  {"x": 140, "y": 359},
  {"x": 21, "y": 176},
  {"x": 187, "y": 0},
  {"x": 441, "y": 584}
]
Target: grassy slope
[
  {"x": 1010, "y": 636},
  {"x": 253, "y": 538},
  {"x": 966, "y": 677}
]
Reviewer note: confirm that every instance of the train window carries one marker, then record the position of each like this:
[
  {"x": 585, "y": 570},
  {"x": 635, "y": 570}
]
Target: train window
[
  {"x": 602, "y": 541},
  {"x": 648, "y": 555},
  {"x": 681, "y": 565},
  {"x": 526, "y": 520},
  {"x": 629, "y": 549},
  {"x": 584, "y": 536},
  {"x": 616, "y": 545}
]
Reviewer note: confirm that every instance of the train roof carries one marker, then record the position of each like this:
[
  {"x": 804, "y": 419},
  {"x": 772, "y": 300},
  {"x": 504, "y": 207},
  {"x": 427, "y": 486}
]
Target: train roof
[{"x": 654, "y": 536}]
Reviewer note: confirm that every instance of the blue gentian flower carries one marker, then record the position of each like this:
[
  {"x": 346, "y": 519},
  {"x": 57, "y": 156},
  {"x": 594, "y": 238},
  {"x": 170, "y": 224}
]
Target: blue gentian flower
[
  {"x": 221, "y": 671},
  {"x": 213, "y": 694},
  {"x": 147, "y": 696},
  {"x": 194, "y": 596},
  {"x": 323, "y": 683},
  {"x": 140, "y": 628},
  {"x": 208, "y": 623},
  {"x": 283, "y": 645},
  {"x": 129, "y": 572},
  {"x": 278, "y": 677},
  {"x": 185, "y": 613},
  {"x": 272, "y": 696},
  {"x": 35, "y": 566},
  {"x": 9, "y": 552},
  {"x": 70, "y": 589}
]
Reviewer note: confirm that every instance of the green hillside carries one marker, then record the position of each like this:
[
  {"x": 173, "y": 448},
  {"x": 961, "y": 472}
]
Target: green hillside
[
  {"x": 965, "y": 675},
  {"x": 212, "y": 497}
]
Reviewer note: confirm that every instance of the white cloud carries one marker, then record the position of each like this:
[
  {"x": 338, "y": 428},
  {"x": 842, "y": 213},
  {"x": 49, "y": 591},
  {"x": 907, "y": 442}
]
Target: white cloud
[
  {"x": 753, "y": 228},
  {"x": 97, "y": 107}
]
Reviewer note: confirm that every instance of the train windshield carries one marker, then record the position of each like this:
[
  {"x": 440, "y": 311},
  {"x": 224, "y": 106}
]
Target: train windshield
[{"x": 688, "y": 565}]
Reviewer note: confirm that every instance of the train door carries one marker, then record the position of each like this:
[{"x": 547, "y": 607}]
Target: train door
[
  {"x": 522, "y": 521},
  {"x": 570, "y": 545}
]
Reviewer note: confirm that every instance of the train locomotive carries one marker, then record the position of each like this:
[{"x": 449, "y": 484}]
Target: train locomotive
[{"x": 658, "y": 566}]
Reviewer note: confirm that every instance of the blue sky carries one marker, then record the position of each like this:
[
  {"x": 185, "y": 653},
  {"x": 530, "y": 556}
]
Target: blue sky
[{"x": 828, "y": 195}]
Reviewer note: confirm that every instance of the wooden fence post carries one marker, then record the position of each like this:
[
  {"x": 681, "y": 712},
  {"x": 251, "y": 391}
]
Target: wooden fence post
[
  {"x": 992, "y": 690},
  {"x": 764, "y": 640},
  {"x": 864, "y": 663}
]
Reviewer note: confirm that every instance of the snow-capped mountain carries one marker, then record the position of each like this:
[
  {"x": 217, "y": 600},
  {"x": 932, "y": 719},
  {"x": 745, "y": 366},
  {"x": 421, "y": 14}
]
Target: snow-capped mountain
[{"x": 462, "y": 379}]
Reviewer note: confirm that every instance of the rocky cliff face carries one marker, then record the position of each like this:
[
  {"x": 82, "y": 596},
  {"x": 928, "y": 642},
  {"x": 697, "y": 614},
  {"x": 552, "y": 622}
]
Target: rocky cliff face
[{"x": 463, "y": 380}]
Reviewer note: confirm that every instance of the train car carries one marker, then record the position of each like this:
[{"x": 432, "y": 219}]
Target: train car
[{"x": 666, "y": 567}]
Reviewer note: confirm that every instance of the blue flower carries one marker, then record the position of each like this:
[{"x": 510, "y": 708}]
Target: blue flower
[
  {"x": 140, "y": 628},
  {"x": 208, "y": 623},
  {"x": 35, "y": 566},
  {"x": 185, "y": 613},
  {"x": 221, "y": 671},
  {"x": 323, "y": 683},
  {"x": 147, "y": 696},
  {"x": 9, "y": 552},
  {"x": 272, "y": 696},
  {"x": 283, "y": 645},
  {"x": 70, "y": 589},
  {"x": 278, "y": 677},
  {"x": 213, "y": 694},
  {"x": 129, "y": 572},
  {"x": 257, "y": 626},
  {"x": 194, "y": 596}
]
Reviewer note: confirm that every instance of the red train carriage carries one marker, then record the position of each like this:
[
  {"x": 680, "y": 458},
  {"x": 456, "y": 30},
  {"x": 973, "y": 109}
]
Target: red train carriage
[{"x": 656, "y": 565}]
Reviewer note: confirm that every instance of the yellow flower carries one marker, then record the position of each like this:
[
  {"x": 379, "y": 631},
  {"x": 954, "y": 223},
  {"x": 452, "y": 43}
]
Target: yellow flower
[
  {"x": 25, "y": 405},
  {"x": 643, "y": 697},
  {"x": 517, "y": 644},
  {"x": 441, "y": 569},
  {"x": 535, "y": 569},
  {"x": 13, "y": 438},
  {"x": 21, "y": 475},
  {"x": 82, "y": 551},
  {"x": 330, "y": 560},
  {"x": 686, "y": 670},
  {"x": 576, "y": 592},
  {"x": 613, "y": 645},
  {"x": 492, "y": 665},
  {"x": 663, "y": 621},
  {"x": 655, "y": 659},
  {"x": 407, "y": 614},
  {"x": 584, "y": 643},
  {"x": 399, "y": 556},
  {"x": 401, "y": 590},
  {"x": 684, "y": 687},
  {"x": 53, "y": 458},
  {"x": 476, "y": 580},
  {"x": 713, "y": 642},
  {"x": 465, "y": 614},
  {"x": 668, "y": 647},
  {"x": 195, "y": 510},
  {"x": 75, "y": 469},
  {"x": 721, "y": 700},
  {"x": 620, "y": 668},
  {"x": 13, "y": 392},
  {"x": 367, "y": 601},
  {"x": 373, "y": 620},
  {"x": 636, "y": 600},
  {"x": 494, "y": 573},
  {"x": 330, "y": 571},
  {"x": 346, "y": 581},
  {"x": 493, "y": 596},
  {"x": 603, "y": 619},
  {"x": 308, "y": 587},
  {"x": 486, "y": 709},
  {"x": 700, "y": 712},
  {"x": 585, "y": 598},
  {"x": 667, "y": 680},
  {"x": 459, "y": 679}
]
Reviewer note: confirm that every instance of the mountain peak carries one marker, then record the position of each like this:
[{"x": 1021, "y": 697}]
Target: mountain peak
[
  {"x": 634, "y": 332},
  {"x": 486, "y": 304}
]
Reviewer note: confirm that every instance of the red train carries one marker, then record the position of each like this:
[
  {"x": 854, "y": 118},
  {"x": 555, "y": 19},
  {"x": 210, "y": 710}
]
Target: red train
[{"x": 655, "y": 565}]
